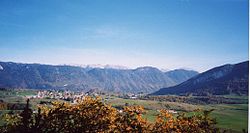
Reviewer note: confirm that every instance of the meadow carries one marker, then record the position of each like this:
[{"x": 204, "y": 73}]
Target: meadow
[{"x": 233, "y": 117}]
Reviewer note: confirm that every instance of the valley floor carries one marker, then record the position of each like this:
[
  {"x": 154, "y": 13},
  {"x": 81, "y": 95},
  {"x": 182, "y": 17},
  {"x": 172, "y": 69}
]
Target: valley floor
[{"x": 229, "y": 116}]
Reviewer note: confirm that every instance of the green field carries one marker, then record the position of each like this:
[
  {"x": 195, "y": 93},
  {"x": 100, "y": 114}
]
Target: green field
[
  {"x": 232, "y": 116},
  {"x": 228, "y": 116}
]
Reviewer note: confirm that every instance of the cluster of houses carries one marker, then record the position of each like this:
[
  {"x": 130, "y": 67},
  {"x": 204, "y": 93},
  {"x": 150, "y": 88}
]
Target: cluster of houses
[
  {"x": 74, "y": 97},
  {"x": 132, "y": 95}
]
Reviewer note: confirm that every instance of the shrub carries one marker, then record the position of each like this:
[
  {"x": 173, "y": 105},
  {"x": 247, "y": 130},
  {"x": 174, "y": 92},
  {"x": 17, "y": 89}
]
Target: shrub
[{"x": 92, "y": 115}]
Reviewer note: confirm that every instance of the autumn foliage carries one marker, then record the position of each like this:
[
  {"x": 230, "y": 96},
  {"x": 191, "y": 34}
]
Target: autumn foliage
[{"x": 93, "y": 115}]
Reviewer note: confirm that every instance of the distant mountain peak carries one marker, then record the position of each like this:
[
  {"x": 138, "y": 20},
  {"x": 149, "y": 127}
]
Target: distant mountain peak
[
  {"x": 165, "y": 69},
  {"x": 107, "y": 66},
  {"x": 106, "y": 78},
  {"x": 146, "y": 68},
  {"x": 220, "y": 80}
]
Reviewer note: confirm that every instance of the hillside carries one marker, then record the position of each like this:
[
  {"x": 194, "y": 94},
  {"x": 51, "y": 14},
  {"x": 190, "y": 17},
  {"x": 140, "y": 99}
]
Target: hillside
[
  {"x": 38, "y": 76},
  {"x": 226, "y": 79}
]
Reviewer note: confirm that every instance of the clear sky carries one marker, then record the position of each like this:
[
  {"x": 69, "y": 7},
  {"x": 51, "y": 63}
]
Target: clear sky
[{"x": 196, "y": 34}]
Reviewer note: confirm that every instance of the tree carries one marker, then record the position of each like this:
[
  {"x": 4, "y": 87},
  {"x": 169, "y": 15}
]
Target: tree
[{"x": 92, "y": 115}]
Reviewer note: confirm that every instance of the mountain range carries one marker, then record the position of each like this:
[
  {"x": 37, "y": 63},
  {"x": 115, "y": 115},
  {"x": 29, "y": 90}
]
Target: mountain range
[
  {"x": 40, "y": 76},
  {"x": 222, "y": 80}
]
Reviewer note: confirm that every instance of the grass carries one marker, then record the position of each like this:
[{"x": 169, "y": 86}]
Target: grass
[
  {"x": 236, "y": 96},
  {"x": 232, "y": 116},
  {"x": 228, "y": 116},
  {"x": 154, "y": 105},
  {"x": 150, "y": 115}
]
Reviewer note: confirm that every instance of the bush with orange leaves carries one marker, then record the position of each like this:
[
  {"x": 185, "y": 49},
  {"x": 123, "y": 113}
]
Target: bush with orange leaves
[
  {"x": 197, "y": 123},
  {"x": 131, "y": 120},
  {"x": 92, "y": 115}
]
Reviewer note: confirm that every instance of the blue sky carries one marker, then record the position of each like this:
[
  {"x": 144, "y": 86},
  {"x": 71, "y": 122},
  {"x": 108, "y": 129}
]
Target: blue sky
[{"x": 195, "y": 34}]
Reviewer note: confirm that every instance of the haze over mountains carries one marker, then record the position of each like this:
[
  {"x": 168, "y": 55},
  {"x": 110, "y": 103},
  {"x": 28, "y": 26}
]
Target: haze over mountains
[
  {"x": 39, "y": 76},
  {"x": 223, "y": 80}
]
